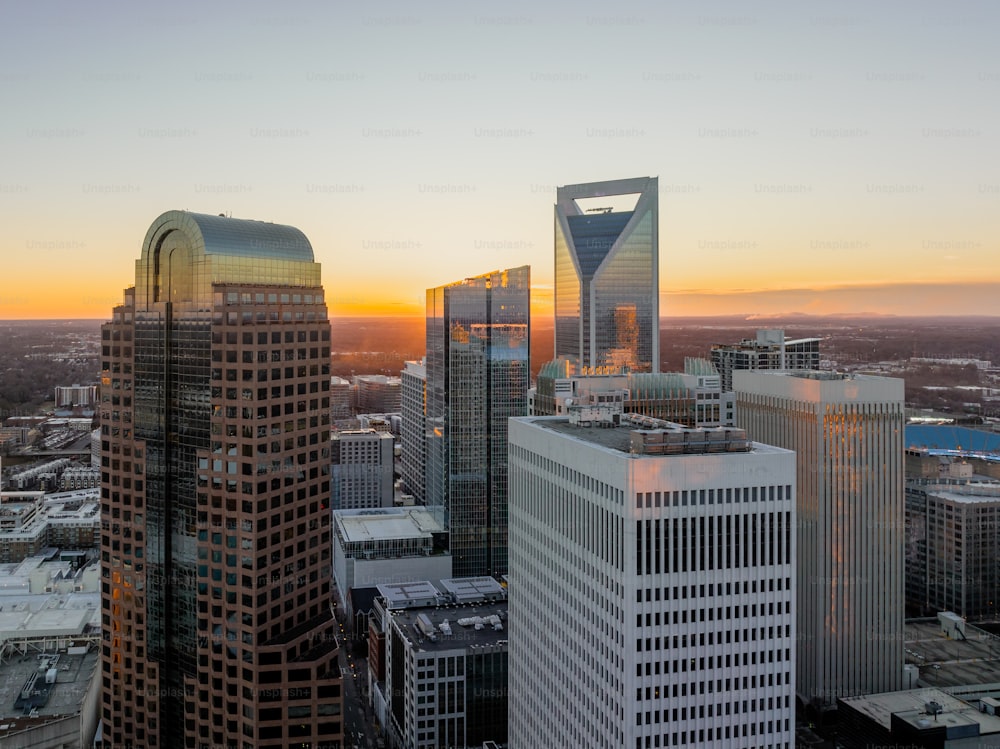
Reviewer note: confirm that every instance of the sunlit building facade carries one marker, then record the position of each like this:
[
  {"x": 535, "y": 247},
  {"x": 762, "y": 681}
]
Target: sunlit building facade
[
  {"x": 413, "y": 427},
  {"x": 847, "y": 433},
  {"x": 477, "y": 378},
  {"x": 215, "y": 490},
  {"x": 607, "y": 276},
  {"x": 652, "y": 586}
]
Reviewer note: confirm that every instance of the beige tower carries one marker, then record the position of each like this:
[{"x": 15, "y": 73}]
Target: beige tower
[{"x": 847, "y": 432}]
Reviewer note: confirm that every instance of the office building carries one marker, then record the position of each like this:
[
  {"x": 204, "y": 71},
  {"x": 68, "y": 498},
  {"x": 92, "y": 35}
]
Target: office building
[
  {"x": 440, "y": 673},
  {"x": 413, "y": 440},
  {"x": 362, "y": 469},
  {"x": 477, "y": 378},
  {"x": 215, "y": 493},
  {"x": 376, "y": 394},
  {"x": 389, "y": 545},
  {"x": 341, "y": 399},
  {"x": 607, "y": 275},
  {"x": 769, "y": 350},
  {"x": 953, "y": 545},
  {"x": 652, "y": 587},
  {"x": 847, "y": 433}
]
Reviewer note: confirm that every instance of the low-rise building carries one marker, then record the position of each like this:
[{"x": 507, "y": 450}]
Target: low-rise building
[
  {"x": 444, "y": 664},
  {"x": 387, "y": 545}
]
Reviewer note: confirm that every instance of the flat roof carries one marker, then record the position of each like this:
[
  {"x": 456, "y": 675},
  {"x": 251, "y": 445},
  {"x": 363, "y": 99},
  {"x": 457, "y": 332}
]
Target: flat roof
[
  {"x": 397, "y": 594},
  {"x": 73, "y": 678},
  {"x": 48, "y": 614},
  {"x": 386, "y": 523},
  {"x": 944, "y": 662},
  {"x": 462, "y": 636},
  {"x": 620, "y": 438},
  {"x": 911, "y": 705},
  {"x": 473, "y": 588}
]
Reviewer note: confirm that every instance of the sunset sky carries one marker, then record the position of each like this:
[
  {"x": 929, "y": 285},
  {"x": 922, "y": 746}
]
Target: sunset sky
[{"x": 812, "y": 157}]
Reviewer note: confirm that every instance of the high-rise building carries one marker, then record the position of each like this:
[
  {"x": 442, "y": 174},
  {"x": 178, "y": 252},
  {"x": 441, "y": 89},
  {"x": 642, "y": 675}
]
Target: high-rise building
[
  {"x": 607, "y": 276},
  {"x": 477, "y": 378},
  {"x": 216, "y": 599},
  {"x": 847, "y": 433},
  {"x": 769, "y": 350},
  {"x": 952, "y": 557},
  {"x": 413, "y": 440},
  {"x": 652, "y": 586},
  {"x": 362, "y": 469}
]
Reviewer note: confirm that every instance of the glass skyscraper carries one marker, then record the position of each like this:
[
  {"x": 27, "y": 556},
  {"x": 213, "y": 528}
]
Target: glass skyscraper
[
  {"x": 477, "y": 377},
  {"x": 606, "y": 276},
  {"x": 215, "y": 492}
]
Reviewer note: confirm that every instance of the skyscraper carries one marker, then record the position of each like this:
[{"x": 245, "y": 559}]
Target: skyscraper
[
  {"x": 215, "y": 488},
  {"x": 477, "y": 377},
  {"x": 652, "y": 587},
  {"x": 847, "y": 433},
  {"x": 413, "y": 428},
  {"x": 606, "y": 276}
]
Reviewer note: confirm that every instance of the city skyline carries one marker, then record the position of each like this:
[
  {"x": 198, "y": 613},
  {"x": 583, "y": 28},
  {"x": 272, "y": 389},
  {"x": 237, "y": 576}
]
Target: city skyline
[{"x": 413, "y": 146}]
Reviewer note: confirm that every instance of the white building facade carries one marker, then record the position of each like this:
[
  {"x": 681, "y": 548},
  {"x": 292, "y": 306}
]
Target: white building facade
[
  {"x": 847, "y": 431},
  {"x": 652, "y": 587},
  {"x": 361, "y": 475}
]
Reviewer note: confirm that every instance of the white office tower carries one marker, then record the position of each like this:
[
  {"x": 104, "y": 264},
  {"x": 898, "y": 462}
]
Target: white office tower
[
  {"x": 652, "y": 587},
  {"x": 847, "y": 431}
]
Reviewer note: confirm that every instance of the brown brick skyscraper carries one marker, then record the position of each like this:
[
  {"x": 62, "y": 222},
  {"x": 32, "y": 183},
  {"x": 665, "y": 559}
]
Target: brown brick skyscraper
[{"x": 215, "y": 494}]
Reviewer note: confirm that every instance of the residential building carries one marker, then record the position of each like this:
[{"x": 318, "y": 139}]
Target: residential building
[
  {"x": 847, "y": 433},
  {"x": 652, "y": 585},
  {"x": 953, "y": 545},
  {"x": 769, "y": 350},
  {"x": 477, "y": 378},
  {"x": 413, "y": 438},
  {"x": 75, "y": 395},
  {"x": 215, "y": 493},
  {"x": 607, "y": 275},
  {"x": 362, "y": 469},
  {"x": 33, "y": 522}
]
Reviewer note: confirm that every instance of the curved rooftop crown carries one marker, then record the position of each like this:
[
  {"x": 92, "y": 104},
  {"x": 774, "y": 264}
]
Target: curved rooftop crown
[
  {"x": 185, "y": 254},
  {"x": 220, "y": 235}
]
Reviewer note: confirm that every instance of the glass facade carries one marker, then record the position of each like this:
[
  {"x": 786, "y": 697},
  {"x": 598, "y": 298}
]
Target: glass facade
[
  {"x": 215, "y": 490},
  {"x": 477, "y": 377},
  {"x": 606, "y": 277}
]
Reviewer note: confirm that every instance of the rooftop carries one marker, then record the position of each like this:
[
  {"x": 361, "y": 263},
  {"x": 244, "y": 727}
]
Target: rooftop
[
  {"x": 664, "y": 439},
  {"x": 73, "y": 674},
  {"x": 912, "y": 704},
  {"x": 453, "y": 627},
  {"x": 386, "y": 523},
  {"x": 946, "y": 663}
]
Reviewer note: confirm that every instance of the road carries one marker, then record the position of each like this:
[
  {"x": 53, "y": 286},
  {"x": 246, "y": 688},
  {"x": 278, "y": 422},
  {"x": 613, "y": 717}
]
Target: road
[{"x": 359, "y": 724}]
